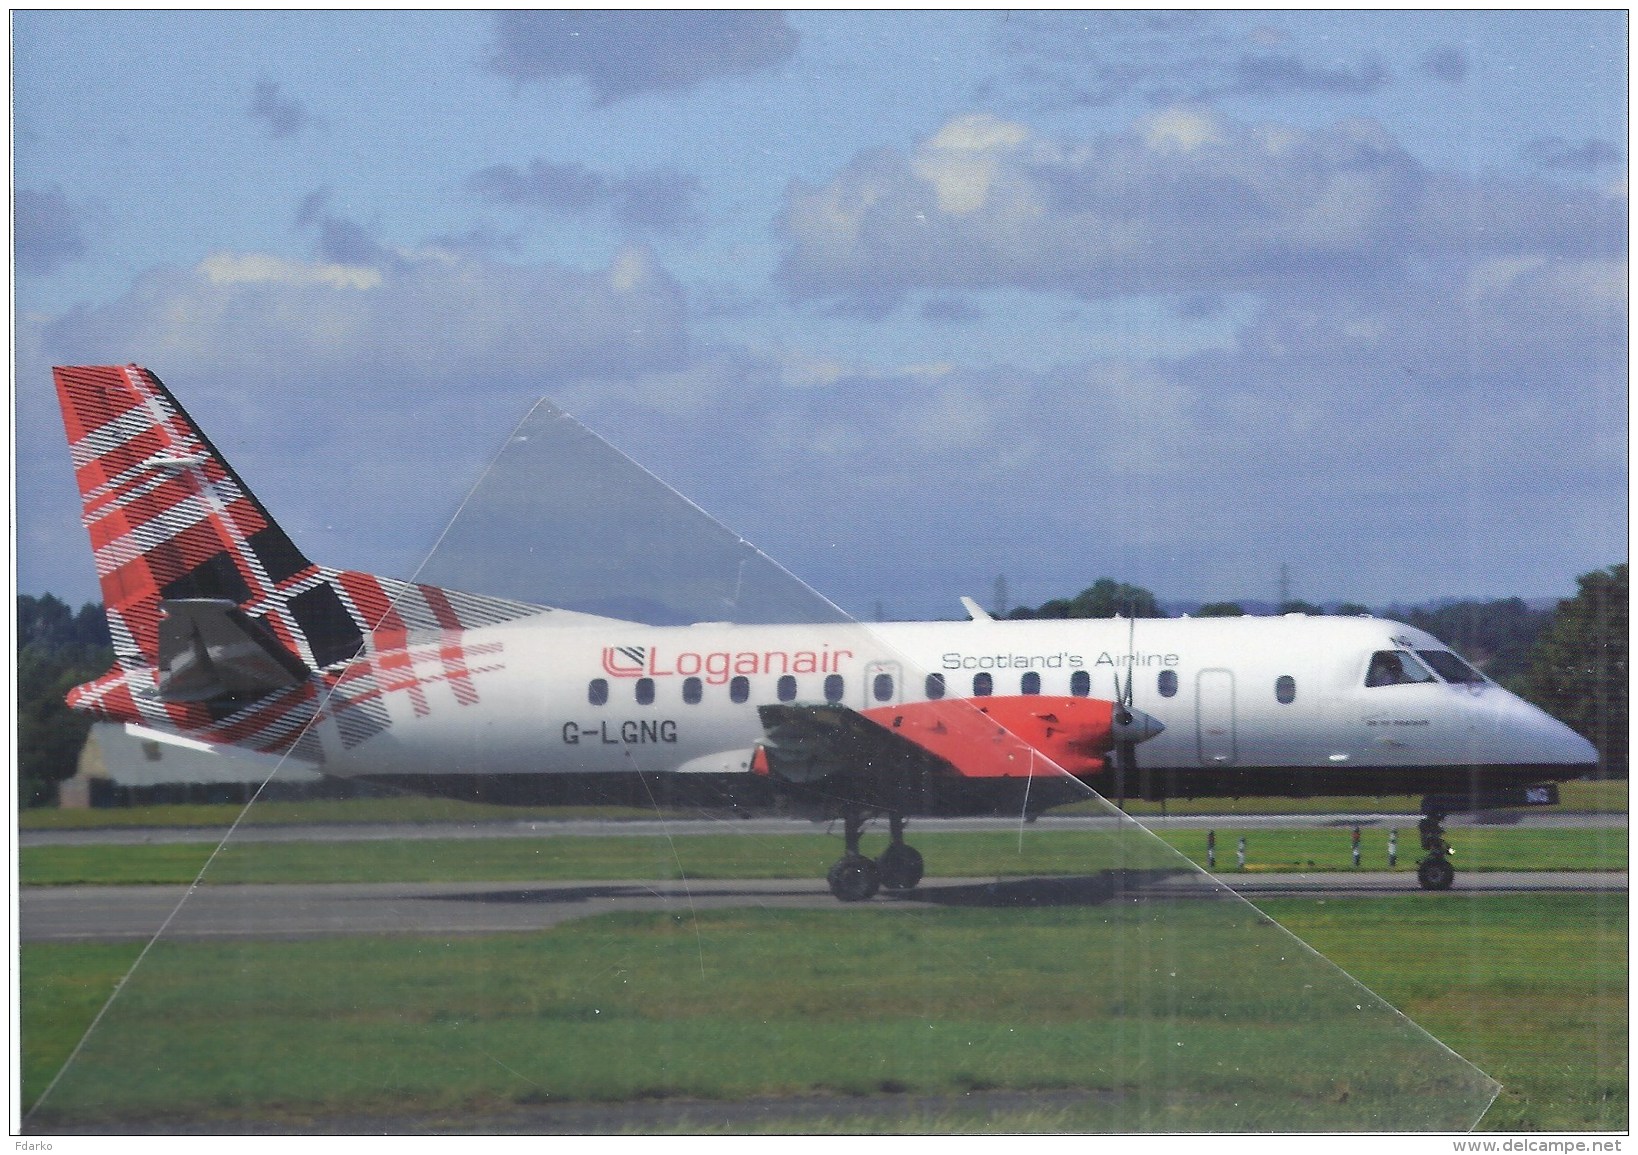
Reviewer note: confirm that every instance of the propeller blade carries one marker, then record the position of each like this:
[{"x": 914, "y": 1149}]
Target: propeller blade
[
  {"x": 1120, "y": 776},
  {"x": 1125, "y": 749},
  {"x": 1131, "y": 657}
]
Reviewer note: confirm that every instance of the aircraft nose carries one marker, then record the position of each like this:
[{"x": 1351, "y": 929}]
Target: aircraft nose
[
  {"x": 1538, "y": 737},
  {"x": 1573, "y": 748}
]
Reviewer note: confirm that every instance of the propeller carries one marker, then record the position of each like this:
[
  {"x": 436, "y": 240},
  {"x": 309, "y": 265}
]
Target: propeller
[
  {"x": 1120, "y": 722},
  {"x": 1129, "y": 725}
]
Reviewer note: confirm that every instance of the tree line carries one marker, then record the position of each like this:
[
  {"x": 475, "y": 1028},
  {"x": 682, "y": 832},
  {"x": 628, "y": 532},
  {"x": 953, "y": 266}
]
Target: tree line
[
  {"x": 1570, "y": 660},
  {"x": 57, "y": 649}
]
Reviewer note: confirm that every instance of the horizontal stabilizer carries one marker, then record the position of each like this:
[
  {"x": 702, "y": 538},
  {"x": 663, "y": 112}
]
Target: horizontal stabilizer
[
  {"x": 219, "y": 750},
  {"x": 209, "y": 648}
]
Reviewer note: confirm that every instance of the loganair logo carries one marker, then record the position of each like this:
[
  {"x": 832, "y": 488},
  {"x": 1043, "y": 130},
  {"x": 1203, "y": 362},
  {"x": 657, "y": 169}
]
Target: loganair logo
[
  {"x": 717, "y": 666},
  {"x": 625, "y": 661}
]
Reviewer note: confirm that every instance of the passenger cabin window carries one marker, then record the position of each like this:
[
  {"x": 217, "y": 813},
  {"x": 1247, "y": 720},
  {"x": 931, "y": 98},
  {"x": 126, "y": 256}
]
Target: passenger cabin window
[
  {"x": 1080, "y": 683},
  {"x": 1167, "y": 683},
  {"x": 1030, "y": 683},
  {"x": 935, "y": 687},
  {"x": 692, "y": 691},
  {"x": 1395, "y": 668},
  {"x": 834, "y": 687},
  {"x": 882, "y": 688},
  {"x": 598, "y": 692},
  {"x": 983, "y": 685},
  {"x": 787, "y": 687},
  {"x": 645, "y": 691},
  {"x": 1285, "y": 689},
  {"x": 1451, "y": 668},
  {"x": 740, "y": 689}
]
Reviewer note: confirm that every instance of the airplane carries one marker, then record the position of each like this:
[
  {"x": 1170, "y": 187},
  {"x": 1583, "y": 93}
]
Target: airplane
[{"x": 227, "y": 638}]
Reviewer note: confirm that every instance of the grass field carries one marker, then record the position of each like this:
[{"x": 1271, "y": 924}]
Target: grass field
[
  {"x": 748, "y": 855},
  {"x": 1532, "y": 990},
  {"x": 728, "y": 1005},
  {"x": 1193, "y": 1024},
  {"x": 1600, "y": 796}
]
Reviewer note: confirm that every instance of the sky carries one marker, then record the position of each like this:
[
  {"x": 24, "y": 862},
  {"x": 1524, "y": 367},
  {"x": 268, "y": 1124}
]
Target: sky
[{"x": 910, "y": 300}]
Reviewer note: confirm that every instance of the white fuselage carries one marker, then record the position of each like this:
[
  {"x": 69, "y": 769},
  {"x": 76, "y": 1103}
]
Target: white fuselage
[{"x": 1248, "y": 705}]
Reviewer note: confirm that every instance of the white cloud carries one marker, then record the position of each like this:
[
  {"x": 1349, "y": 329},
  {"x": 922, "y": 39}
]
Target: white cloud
[
  {"x": 961, "y": 160},
  {"x": 1355, "y": 436},
  {"x": 431, "y": 313},
  {"x": 1182, "y": 129},
  {"x": 225, "y": 269},
  {"x": 1358, "y": 426},
  {"x": 1184, "y": 202}
]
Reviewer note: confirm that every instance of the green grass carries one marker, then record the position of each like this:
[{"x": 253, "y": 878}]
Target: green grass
[
  {"x": 751, "y": 855},
  {"x": 1476, "y": 848},
  {"x": 1205, "y": 1020},
  {"x": 1602, "y": 796},
  {"x": 1531, "y": 989},
  {"x": 1606, "y": 796},
  {"x": 343, "y": 810},
  {"x": 757, "y": 1003}
]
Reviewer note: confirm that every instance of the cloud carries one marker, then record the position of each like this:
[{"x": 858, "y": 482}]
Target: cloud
[
  {"x": 425, "y": 314},
  {"x": 340, "y": 239},
  {"x": 1281, "y": 74},
  {"x": 1447, "y": 63},
  {"x": 1357, "y": 430},
  {"x": 1182, "y": 202},
  {"x": 1554, "y": 152},
  {"x": 228, "y": 270},
  {"x": 624, "y": 54},
  {"x": 659, "y": 199},
  {"x": 1353, "y": 432},
  {"x": 49, "y": 230},
  {"x": 283, "y": 115},
  {"x": 951, "y": 310},
  {"x": 376, "y": 387},
  {"x": 1103, "y": 58}
]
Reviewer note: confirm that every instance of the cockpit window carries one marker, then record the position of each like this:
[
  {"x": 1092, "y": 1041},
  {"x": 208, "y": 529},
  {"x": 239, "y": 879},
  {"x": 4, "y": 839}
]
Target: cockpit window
[
  {"x": 1451, "y": 668},
  {"x": 1395, "y": 668}
]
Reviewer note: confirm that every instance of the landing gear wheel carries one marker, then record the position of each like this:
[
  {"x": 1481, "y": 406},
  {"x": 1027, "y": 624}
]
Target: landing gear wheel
[
  {"x": 1435, "y": 873},
  {"x": 854, "y": 878},
  {"x": 900, "y": 867}
]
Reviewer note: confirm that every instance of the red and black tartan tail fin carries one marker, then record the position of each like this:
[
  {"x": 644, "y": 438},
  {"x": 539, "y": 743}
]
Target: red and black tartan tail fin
[
  {"x": 171, "y": 522},
  {"x": 169, "y": 519}
]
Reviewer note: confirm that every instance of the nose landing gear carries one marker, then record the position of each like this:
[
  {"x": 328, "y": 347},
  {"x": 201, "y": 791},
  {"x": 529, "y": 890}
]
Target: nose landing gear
[{"x": 1434, "y": 872}]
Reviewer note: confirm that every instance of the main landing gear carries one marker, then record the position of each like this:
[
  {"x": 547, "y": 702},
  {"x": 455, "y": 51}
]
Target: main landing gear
[
  {"x": 1434, "y": 872},
  {"x": 855, "y": 878}
]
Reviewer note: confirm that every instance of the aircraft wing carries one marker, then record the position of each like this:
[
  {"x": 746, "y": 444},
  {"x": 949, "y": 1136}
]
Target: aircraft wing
[
  {"x": 905, "y": 757},
  {"x": 810, "y": 743}
]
